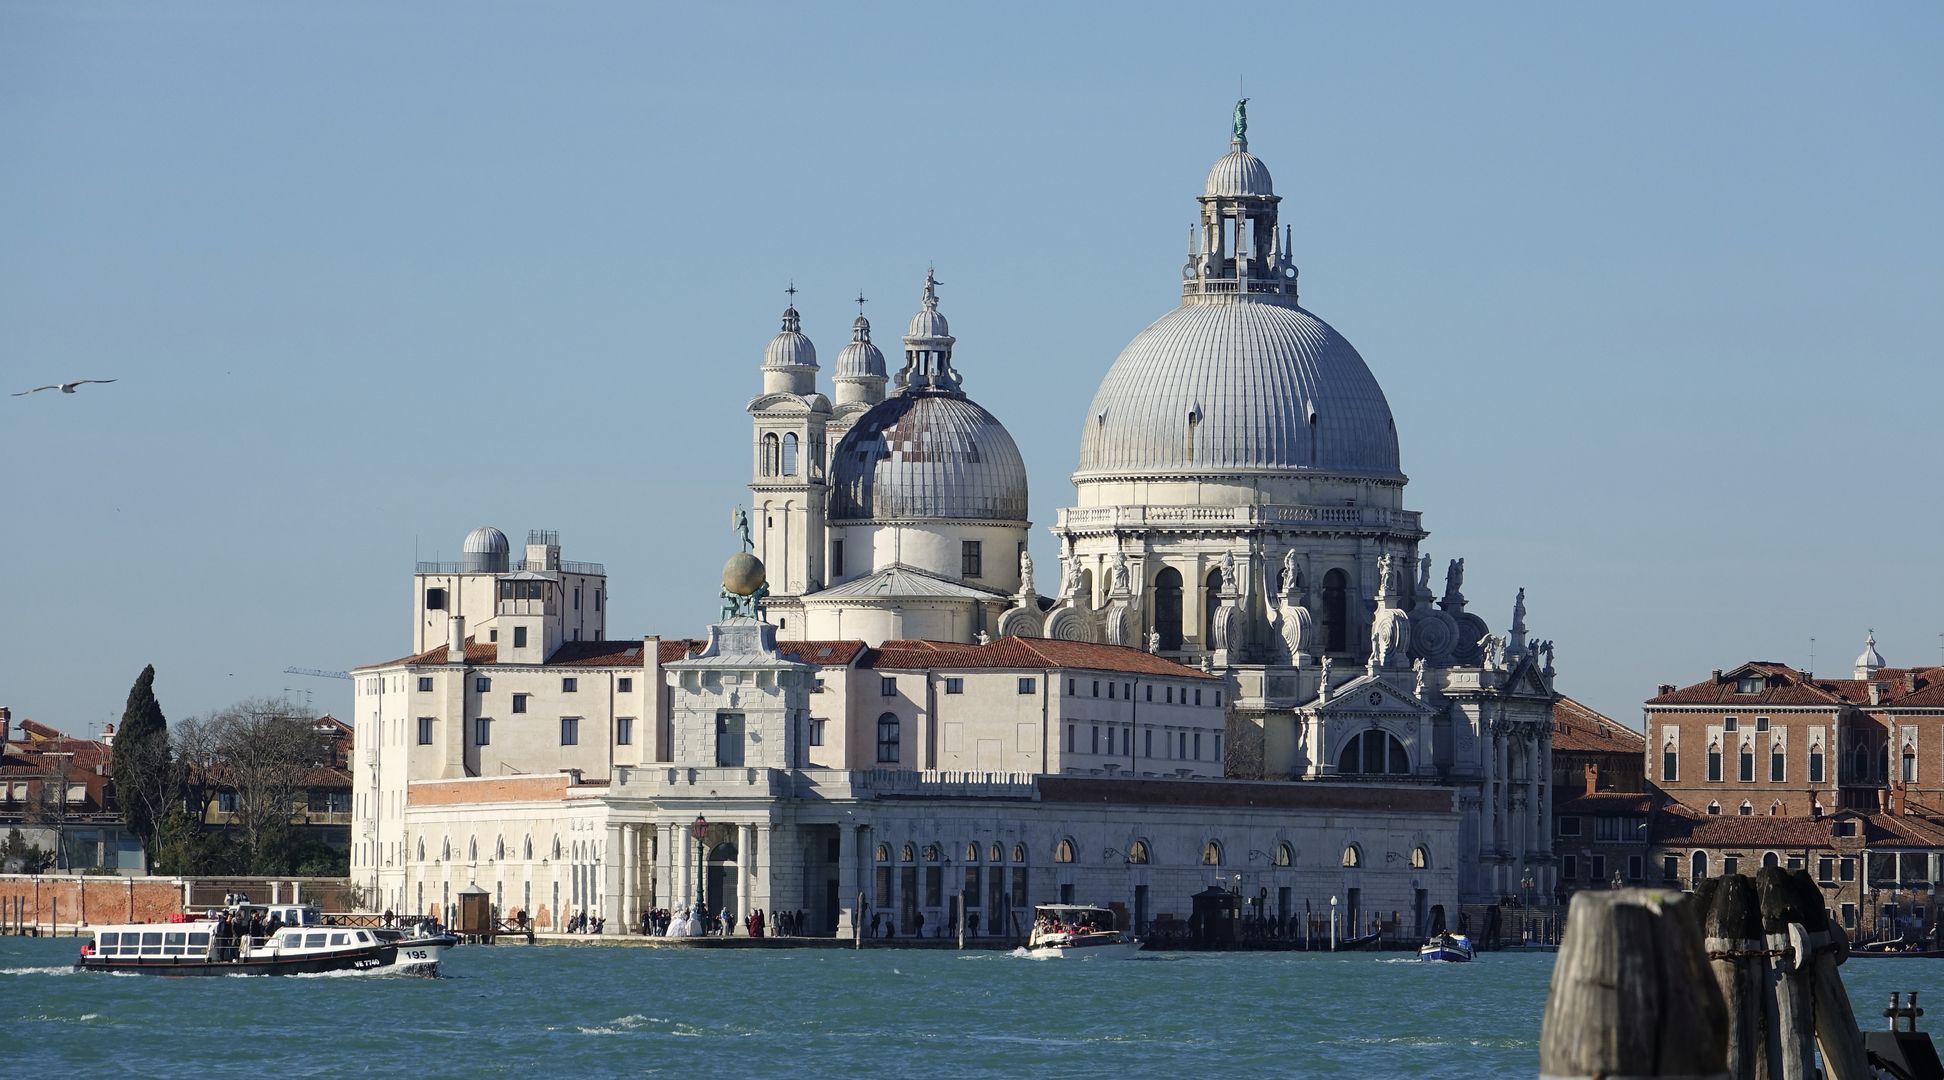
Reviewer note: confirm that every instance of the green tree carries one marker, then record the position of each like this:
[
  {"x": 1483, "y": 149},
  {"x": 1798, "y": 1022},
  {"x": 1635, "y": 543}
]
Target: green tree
[{"x": 142, "y": 767}]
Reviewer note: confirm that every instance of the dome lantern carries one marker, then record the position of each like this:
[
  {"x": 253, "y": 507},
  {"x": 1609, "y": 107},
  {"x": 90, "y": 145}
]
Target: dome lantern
[
  {"x": 790, "y": 360},
  {"x": 1237, "y": 249},
  {"x": 860, "y": 374}
]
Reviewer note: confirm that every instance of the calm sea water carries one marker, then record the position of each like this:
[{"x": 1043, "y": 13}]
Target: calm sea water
[{"x": 534, "y": 1011}]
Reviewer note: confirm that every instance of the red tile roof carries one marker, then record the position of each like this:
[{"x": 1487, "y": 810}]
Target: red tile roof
[
  {"x": 625, "y": 653},
  {"x": 824, "y": 653},
  {"x": 1606, "y": 804},
  {"x": 1028, "y": 654},
  {"x": 1680, "y": 825},
  {"x": 1784, "y": 685},
  {"x": 1579, "y": 729}
]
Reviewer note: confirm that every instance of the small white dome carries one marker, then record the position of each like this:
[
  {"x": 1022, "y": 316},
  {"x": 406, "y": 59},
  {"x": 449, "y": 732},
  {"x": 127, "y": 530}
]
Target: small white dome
[
  {"x": 1239, "y": 173},
  {"x": 790, "y": 348},
  {"x": 1870, "y": 660},
  {"x": 860, "y": 359},
  {"x": 485, "y": 552}
]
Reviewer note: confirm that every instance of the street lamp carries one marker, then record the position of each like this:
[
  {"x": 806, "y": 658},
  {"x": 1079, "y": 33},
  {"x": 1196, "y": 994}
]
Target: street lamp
[
  {"x": 698, "y": 830},
  {"x": 1333, "y": 923}
]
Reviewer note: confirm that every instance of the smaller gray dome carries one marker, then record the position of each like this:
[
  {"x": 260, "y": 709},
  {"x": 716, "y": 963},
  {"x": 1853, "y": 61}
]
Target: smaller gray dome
[
  {"x": 860, "y": 359},
  {"x": 485, "y": 551},
  {"x": 1870, "y": 660},
  {"x": 789, "y": 348},
  {"x": 1239, "y": 173}
]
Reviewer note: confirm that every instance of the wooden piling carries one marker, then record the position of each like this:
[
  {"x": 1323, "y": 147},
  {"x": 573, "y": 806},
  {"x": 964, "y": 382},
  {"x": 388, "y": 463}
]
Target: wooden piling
[
  {"x": 1632, "y": 994},
  {"x": 1790, "y": 1016},
  {"x": 1837, "y": 1033},
  {"x": 1732, "y": 934}
]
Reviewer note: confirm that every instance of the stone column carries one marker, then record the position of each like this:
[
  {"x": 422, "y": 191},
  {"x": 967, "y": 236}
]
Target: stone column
[
  {"x": 745, "y": 891},
  {"x": 612, "y": 871},
  {"x": 683, "y": 852},
  {"x": 630, "y": 877},
  {"x": 762, "y": 868},
  {"x": 848, "y": 845}
]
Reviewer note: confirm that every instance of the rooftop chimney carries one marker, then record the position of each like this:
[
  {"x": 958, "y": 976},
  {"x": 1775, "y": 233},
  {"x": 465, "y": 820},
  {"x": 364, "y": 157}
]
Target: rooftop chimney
[
  {"x": 1876, "y": 693},
  {"x": 1717, "y": 674},
  {"x": 6, "y": 724},
  {"x": 1666, "y": 688},
  {"x": 456, "y": 639},
  {"x": 1910, "y": 682}
]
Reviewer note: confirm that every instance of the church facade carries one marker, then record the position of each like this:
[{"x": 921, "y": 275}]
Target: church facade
[{"x": 1239, "y": 676}]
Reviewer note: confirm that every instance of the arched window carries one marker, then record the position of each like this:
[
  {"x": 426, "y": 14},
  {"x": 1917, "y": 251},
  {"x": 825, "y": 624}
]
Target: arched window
[
  {"x": 931, "y": 852},
  {"x": 1285, "y": 855},
  {"x": 472, "y": 849},
  {"x": 887, "y": 743},
  {"x": 772, "y": 454},
  {"x": 1769, "y": 859},
  {"x": 1137, "y": 852},
  {"x": 1747, "y": 809},
  {"x": 1420, "y": 858},
  {"x": 1167, "y": 608},
  {"x": 421, "y": 849},
  {"x": 499, "y": 847},
  {"x": 1778, "y": 763},
  {"x": 1815, "y": 763},
  {"x": 907, "y": 853},
  {"x": 1909, "y": 765},
  {"x": 1019, "y": 853},
  {"x": 1212, "y": 853},
  {"x": 1670, "y": 762},
  {"x": 526, "y": 849},
  {"x": 884, "y": 853},
  {"x": 1747, "y": 762},
  {"x": 556, "y": 848},
  {"x": 1063, "y": 851},
  {"x": 1860, "y": 763},
  {"x": 995, "y": 854},
  {"x": 1698, "y": 868},
  {"x": 1352, "y": 857},
  {"x": 445, "y": 850},
  {"x": 1375, "y": 752},
  {"x": 1714, "y": 763},
  {"x": 1714, "y": 807},
  {"x": 1335, "y": 616},
  {"x": 1211, "y": 599},
  {"x": 790, "y": 454},
  {"x": 971, "y": 853}
]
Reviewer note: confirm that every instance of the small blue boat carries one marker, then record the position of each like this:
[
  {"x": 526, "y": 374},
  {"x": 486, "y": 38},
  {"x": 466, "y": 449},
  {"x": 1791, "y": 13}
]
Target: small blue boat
[{"x": 1449, "y": 948}]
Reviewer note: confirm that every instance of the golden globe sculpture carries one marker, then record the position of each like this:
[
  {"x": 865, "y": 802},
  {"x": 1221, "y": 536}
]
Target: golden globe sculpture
[{"x": 743, "y": 574}]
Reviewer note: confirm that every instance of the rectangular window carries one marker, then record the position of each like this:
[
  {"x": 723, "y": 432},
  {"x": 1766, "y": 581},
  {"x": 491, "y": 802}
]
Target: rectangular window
[
  {"x": 1848, "y": 868},
  {"x": 1029, "y": 686},
  {"x": 226, "y": 801},
  {"x": 1096, "y": 688},
  {"x": 1569, "y": 867},
  {"x": 624, "y": 685},
  {"x": 970, "y": 560},
  {"x": 729, "y": 740},
  {"x": 1197, "y": 746},
  {"x": 1714, "y": 764},
  {"x": 1170, "y": 695},
  {"x": 1198, "y": 695},
  {"x": 888, "y": 748},
  {"x": 482, "y": 685},
  {"x": 1218, "y": 697},
  {"x": 1569, "y": 826},
  {"x": 1761, "y": 723},
  {"x": 519, "y": 637},
  {"x": 1181, "y": 745},
  {"x": 1218, "y": 747},
  {"x": 1147, "y": 743},
  {"x": 1729, "y": 723},
  {"x": 836, "y": 559},
  {"x": 1599, "y": 868},
  {"x": 1825, "y": 868},
  {"x": 1670, "y": 868},
  {"x": 1070, "y": 728},
  {"x": 1069, "y": 687},
  {"x": 1096, "y": 739},
  {"x": 425, "y": 684},
  {"x": 1111, "y": 688},
  {"x": 520, "y": 702},
  {"x": 425, "y": 731},
  {"x": 570, "y": 731},
  {"x": 482, "y": 731},
  {"x": 955, "y": 686},
  {"x": 569, "y": 684},
  {"x": 624, "y": 731},
  {"x": 1150, "y": 691},
  {"x": 435, "y": 599},
  {"x": 1636, "y": 866},
  {"x": 1730, "y": 865},
  {"x": 597, "y": 599},
  {"x": 887, "y": 686},
  {"x": 817, "y": 731},
  {"x": 576, "y": 598},
  {"x": 1849, "y": 916}
]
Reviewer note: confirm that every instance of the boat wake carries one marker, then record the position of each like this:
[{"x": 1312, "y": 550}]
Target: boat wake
[{"x": 60, "y": 969}]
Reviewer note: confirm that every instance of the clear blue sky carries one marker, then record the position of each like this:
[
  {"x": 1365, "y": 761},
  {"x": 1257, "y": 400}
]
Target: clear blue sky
[{"x": 1653, "y": 292}]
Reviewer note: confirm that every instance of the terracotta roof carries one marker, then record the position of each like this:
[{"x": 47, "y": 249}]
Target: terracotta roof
[
  {"x": 34, "y": 729},
  {"x": 1026, "y": 654},
  {"x": 624, "y": 653},
  {"x": 1680, "y": 825},
  {"x": 826, "y": 653},
  {"x": 82, "y": 755},
  {"x": 1606, "y": 804},
  {"x": 1577, "y": 728},
  {"x": 1784, "y": 685}
]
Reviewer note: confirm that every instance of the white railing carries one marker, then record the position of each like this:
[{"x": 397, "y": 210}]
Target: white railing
[{"x": 1136, "y": 517}]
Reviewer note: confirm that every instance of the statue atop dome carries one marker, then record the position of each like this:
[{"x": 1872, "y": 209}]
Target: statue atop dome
[{"x": 1241, "y": 135}]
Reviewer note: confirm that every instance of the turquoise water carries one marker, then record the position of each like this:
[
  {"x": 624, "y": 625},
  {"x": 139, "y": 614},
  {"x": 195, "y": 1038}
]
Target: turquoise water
[{"x": 515, "y": 1010}]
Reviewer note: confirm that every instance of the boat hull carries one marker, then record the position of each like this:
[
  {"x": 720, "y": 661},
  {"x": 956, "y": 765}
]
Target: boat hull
[
  {"x": 1444, "y": 955},
  {"x": 1119, "y": 950},
  {"x": 375, "y": 958}
]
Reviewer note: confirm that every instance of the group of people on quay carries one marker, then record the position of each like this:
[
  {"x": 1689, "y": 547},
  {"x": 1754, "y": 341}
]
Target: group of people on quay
[{"x": 697, "y": 922}]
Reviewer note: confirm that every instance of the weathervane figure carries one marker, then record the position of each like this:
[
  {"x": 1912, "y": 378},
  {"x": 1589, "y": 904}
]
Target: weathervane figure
[{"x": 740, "y": 523}]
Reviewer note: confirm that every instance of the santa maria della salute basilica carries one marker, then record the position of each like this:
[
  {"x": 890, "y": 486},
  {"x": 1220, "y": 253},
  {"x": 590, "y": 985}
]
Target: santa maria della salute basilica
[{"x": 1241, "y": 674}]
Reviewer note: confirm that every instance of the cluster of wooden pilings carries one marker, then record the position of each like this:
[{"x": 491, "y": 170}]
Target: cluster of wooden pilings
[{"x": 1736, "y": 981}]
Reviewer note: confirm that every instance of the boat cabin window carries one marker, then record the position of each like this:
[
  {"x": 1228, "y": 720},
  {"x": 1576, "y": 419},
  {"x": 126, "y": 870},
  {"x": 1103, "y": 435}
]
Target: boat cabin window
[
  {"x": 108, "y": 940},
  {"x": 291, "y": 940},
  {"x": 315, "y": 941},
  {"x": 173, "y": 942},
  {"x": 152, "y": 943},
  {"x": 199, "y": 943},
  {"x": 340, "y": 939},
  {"x": 364, "y": 937}
]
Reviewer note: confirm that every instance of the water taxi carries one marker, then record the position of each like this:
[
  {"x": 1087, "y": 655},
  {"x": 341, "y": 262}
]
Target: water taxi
[
  {"x": 258, "y": 939},
  {"x": 1450, "y": 948},
  {"x": 1081, "y": 930}
]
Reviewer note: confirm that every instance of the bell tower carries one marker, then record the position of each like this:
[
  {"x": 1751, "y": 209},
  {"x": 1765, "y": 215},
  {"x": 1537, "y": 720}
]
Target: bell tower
[{"x": 788, "y": 486}]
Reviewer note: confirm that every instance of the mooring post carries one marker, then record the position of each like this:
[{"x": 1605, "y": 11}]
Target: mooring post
[
  {"x": 1732, "y": 929},
  {"x": 1837, "y": 1033},
  {"x": 1790, "y": 1016},
  {"x": 1632, "y": 994}
]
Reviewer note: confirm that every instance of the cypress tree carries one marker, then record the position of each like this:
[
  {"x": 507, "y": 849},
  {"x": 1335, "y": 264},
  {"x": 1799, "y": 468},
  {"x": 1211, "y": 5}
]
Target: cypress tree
[{"x": 140, "y": 765}]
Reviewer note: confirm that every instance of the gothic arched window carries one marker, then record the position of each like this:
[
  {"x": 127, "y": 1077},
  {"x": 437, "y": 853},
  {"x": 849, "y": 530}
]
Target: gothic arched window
[
  {"x": 772, "y": 454},
  {"x": 1285, "y": 855},
  {"x": 1212, "y": 853},
  {"x": 1747, "y": 772},
  {"x": 1137, "y": 852},
  {"x": 1063, "y": 852},
  {"x": 1420, "y": 858},
  {"x": 1909, "y": 765},
  {"x": 1714, "y": 763},
  {"x": 1815, "y": 763},
  {"x": 1670, "y": 762},
  {"x": 1352, "y": 857},
  {"x": 1167, "y": 608},
  {"x": 789, "y": 454},
  {"x": 1335, "y": 616}
]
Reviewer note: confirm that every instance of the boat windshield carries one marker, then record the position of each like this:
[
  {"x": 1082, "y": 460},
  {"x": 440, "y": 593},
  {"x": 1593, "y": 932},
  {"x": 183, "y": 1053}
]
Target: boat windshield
[{"x": 1074, "y": 920}]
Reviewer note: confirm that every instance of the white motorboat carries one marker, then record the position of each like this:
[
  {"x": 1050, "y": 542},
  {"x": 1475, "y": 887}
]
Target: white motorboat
[
  {"x": 1449, "y": 948},
  {"x": 1078, "y": 930},
  {"x": 254, "y": 939}
]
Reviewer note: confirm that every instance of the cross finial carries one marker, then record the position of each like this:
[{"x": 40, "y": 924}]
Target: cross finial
[
  {"x": 792, "y": 290},
  {"x": 860, "y": 303}
]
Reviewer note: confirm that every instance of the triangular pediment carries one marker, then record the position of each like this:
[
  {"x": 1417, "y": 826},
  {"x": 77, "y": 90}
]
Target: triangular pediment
[{"x": 1367, "y": 694}]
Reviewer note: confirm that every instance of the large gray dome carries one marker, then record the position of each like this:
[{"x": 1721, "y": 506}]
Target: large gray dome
[
  {"x": 927, "y": 453},
  {"x": 1238, "y": 385}
]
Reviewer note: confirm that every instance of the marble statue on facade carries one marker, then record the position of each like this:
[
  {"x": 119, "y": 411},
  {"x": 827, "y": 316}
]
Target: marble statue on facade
[
  {"x": 1025, "y": 574},
  {"x": 1454, "y": 593},
  {"x": 1154, "y": 641},
  {"x": 1390, "y": 625}
]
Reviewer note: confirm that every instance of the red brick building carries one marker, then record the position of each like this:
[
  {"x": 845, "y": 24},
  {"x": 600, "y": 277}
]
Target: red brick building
[{"x": 1600, "y": 799}]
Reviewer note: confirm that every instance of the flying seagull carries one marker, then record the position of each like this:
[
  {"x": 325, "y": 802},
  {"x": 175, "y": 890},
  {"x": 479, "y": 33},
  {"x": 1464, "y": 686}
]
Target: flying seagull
[{"x": 65, "y": 388}]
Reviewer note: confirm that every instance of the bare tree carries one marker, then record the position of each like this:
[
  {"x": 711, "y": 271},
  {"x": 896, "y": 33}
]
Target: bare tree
[
  {"x": 266, "y": 756},
  {"x": 198, "y": 760}
]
